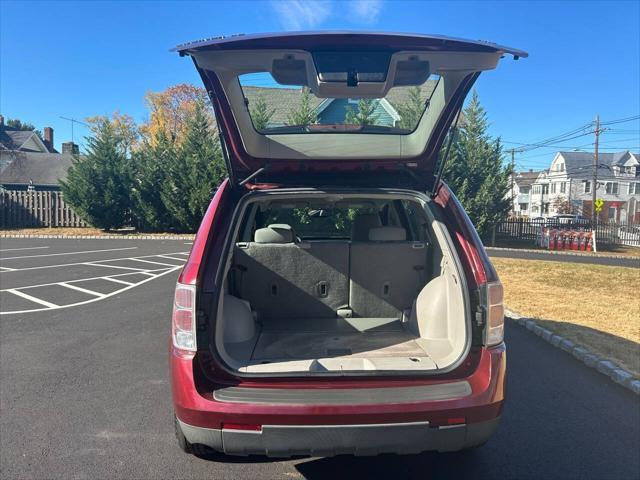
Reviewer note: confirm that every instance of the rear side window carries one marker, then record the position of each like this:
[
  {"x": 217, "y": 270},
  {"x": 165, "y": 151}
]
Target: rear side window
[
  {"x": 276, "y": 108},
  {"x": 316, "y": 223},
  {"x": 317, "y": 220}
]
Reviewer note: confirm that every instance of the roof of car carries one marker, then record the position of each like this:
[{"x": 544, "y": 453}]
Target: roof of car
[{"x": 346, "y": 39}]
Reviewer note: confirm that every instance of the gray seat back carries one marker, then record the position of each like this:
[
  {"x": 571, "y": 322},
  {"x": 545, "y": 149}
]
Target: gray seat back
[
  {"x": 293, "y": 280},
  {"x": 386, "y": 273},
  {"x": 362, "y": 223}
]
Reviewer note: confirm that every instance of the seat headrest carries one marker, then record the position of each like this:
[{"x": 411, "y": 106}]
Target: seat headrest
[
  {"x": 361, "y": 225},
  {"x": 274, "y": 233},
  {"x": 387, "y": 234}
]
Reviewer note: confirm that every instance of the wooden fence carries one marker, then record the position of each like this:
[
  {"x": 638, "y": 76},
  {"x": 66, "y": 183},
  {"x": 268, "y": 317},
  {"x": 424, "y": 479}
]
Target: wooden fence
[
  {"x": 610, "y": 233},
  {"x": 23, "y": 209}
]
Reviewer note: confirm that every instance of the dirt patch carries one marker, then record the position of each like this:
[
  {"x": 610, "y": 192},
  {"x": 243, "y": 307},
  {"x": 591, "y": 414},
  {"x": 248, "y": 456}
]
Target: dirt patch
[{"x": 594, "y": 305}]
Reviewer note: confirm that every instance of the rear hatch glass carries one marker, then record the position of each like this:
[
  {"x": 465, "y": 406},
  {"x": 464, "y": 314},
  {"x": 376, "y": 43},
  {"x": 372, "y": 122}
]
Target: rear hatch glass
[{"x": 277, "y": 108}]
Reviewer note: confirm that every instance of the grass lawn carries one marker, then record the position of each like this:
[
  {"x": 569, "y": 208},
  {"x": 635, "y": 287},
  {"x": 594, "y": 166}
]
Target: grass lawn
[
  {"x": 604, "y": 249},
  {"x": 594, "y": 305}
]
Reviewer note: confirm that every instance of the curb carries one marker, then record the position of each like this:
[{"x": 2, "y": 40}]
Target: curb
[
  {"x": 107, "y": 237},
  {"x": 562, "y": 252},
  {"x": 590, "y": 359}
]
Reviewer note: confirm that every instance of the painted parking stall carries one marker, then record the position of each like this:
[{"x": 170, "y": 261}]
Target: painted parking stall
[{"x": 41, "y": 275}]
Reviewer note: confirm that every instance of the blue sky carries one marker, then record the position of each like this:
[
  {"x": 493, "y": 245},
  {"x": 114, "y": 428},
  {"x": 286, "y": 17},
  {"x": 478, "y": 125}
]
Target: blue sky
[{"x": 78, "y": 59}]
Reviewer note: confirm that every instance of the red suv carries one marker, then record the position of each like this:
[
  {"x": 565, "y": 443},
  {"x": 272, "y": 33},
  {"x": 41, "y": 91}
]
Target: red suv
[{"x": 337, "y": 298}]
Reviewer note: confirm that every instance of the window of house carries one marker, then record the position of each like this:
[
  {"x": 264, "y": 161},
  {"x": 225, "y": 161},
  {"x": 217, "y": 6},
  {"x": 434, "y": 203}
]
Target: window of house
[
  {"x": 545, "y": 189},
  {"x": 611, "y": 188},
  {"x": 545, "y": 208},
  {"x": 523, "y": 206},
  {"x": 586, "y": 186},
  {"x": 563, "y": 187},
  {"x": 534, "y": 209},
  {"x": 630, "y": 169},
  {"x": 536, "y": 189},
  {"x": 611, "y": 213},
  {"x": 553, "y": 188},
  {"x": 634, "y": 188},
  {"x": 525, "y": 190}
]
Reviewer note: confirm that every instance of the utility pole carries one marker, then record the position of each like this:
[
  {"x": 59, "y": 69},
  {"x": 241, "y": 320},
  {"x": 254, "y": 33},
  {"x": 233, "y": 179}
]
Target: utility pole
[
  {"x": 594, "y": 187},
  {"x": 513, "y": 173}
]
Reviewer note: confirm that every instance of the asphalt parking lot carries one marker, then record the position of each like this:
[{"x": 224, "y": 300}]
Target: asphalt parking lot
[{"x": 84, "y": 389}]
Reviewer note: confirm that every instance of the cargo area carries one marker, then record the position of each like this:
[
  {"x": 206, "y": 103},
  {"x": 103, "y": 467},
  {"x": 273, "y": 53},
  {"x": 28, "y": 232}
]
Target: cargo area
[{"x": 343, "y": 284}]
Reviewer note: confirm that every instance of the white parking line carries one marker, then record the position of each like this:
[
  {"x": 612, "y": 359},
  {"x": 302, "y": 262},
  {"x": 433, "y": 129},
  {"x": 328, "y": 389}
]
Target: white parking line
[
  {"x": 80, "y": 289},
  {"x": 110, "y": 277},
  {"x": 116, "y": 280},
  {"x": 141, "y": 270},
  {"x": 70, "y": 253},
  {"x": 154, "y": 263},
  {"x": 32, "y": 299},
  {"x": 171, "y": 258},
  {"x": 53, "y": 306},
  {"x": 26, "y": 248},
  {"x": 59, "y": 265}
]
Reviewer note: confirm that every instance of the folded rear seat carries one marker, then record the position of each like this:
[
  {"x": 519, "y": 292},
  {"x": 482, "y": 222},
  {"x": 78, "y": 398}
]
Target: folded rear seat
[
  {"x": 285, "y": 279},
  {"x": 386, "y": 273}
]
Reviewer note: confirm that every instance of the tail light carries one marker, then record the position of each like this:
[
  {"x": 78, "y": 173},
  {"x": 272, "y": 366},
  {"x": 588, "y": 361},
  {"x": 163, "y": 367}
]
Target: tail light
[
  {"x": 183, "y": 320},
  {"x": 494, "y": 313}
]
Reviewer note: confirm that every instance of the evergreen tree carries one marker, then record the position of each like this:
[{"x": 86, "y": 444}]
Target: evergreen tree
[
  {"x": 261, "y": 114},
  {"x": 98, "y": 185},
  {"x": 476, "y": 172},
  {"x": 411, "y": 111},
  {"x": 365, "y": 115},
  {"x": 305, "y": 114},
  {"x": 193, "y": 173},
  {"x": 151, "y": 163}
]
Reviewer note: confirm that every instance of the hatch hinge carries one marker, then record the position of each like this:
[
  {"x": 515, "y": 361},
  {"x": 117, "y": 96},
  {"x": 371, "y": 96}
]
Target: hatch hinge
[{"x": 255, "y": 174}]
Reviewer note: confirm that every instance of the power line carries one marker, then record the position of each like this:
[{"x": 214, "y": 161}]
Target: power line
[{"x": 621, "y": 120}]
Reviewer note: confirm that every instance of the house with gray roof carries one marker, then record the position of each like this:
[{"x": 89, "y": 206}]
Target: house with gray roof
[
  {"x": 34, "y": 170},
  {"x": 568, "y": 185},
  {"x": 28, "y": 162}
]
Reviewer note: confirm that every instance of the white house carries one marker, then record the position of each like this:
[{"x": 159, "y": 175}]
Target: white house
[
  {"x": 521, "y": 192},
  {"x": 567, "y": 186}
]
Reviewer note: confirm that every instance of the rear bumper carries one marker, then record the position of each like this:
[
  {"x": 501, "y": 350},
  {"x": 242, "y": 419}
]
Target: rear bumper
[
  {"x": 430, "y": 414},
  {"x": 329, "y": 440}
]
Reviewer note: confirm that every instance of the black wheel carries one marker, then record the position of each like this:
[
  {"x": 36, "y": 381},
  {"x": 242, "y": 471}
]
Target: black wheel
[{"x": 184, "y": 445}]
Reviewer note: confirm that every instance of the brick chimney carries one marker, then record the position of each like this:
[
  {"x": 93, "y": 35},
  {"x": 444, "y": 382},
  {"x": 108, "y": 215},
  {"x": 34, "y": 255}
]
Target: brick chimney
[
  {"x": 48, "y": 138},
  {"x": 70, "y": 147}
]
